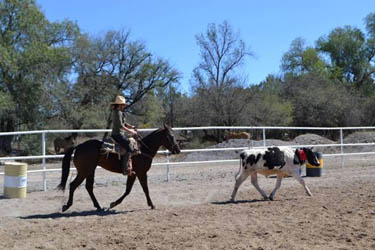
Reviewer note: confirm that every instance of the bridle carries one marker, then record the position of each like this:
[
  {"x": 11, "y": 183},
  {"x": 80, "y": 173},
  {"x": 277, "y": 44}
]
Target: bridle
[{"x": 172, "y": 141}]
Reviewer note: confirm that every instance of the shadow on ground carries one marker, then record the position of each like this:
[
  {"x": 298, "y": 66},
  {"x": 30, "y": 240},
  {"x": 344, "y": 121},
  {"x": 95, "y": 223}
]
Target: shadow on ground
[
  {"x": 237, "y": 202},
  {"x": 74, "y": 214}
]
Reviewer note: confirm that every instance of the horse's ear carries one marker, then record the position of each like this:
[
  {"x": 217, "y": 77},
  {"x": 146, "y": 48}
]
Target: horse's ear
[{"x": 166, "y": 126}]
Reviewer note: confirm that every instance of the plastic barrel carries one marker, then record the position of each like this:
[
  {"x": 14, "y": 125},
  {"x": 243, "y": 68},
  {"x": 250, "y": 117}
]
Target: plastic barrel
[
  {"x": 315, "y": 171},
  {"x": 15, "y": 180}
]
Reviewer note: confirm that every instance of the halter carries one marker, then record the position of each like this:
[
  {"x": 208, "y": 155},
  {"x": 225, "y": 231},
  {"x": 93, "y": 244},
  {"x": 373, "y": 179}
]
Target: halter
[
  {"x": 301, "y": 155},
  {"x": 172, "y": 142}
]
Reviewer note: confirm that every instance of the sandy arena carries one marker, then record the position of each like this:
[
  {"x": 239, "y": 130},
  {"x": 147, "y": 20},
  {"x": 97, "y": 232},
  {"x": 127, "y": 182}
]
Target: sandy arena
[{"x": 193, "y": 212}]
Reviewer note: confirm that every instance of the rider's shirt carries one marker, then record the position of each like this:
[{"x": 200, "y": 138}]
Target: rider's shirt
[{"x": 118, "y": 121}]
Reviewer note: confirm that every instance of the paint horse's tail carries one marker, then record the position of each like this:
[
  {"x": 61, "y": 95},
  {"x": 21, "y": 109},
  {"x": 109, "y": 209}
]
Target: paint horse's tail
[{"x": 65, "y": 168}]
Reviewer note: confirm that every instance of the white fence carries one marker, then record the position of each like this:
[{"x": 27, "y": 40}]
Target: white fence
[{"x": 167, "y": 163}]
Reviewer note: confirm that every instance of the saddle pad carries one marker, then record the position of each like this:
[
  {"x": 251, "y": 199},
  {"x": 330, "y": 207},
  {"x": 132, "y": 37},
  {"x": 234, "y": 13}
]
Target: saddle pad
[{"x": 114, "y": 148}]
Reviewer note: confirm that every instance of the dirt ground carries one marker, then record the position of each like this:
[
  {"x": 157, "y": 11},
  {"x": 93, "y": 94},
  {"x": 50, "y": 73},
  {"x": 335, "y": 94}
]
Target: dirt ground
[{"x": 193, "y": 212}]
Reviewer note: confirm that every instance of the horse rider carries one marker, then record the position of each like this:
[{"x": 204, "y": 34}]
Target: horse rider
[{"x": 118, "y": 126}]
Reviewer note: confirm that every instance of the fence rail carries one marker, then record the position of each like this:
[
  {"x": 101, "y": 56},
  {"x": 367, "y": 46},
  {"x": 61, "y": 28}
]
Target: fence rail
[{"x": 44, "y": 156}]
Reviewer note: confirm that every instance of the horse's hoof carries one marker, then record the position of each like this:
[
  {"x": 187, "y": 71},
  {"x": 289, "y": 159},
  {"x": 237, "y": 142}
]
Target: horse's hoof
[
  {"x": 152, "y": 207},
  {"x": 112, "y": 205},
  {"x": 64, "y": 208},
  {"x": 99, "y": 209},
  {"x": 270, "y": 198}
]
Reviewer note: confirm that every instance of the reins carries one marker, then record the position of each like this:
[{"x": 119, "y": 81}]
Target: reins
[{"x": 139, "y": 139}]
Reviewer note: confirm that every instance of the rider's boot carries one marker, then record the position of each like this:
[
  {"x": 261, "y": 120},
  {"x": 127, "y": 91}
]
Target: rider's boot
[{"x": 125, "y": 163}]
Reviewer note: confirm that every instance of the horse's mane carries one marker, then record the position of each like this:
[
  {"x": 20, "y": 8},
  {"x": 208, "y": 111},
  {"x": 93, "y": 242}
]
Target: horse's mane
[
  {"x": 148, "y": 142},
  {"x": 150, "y": 135}
]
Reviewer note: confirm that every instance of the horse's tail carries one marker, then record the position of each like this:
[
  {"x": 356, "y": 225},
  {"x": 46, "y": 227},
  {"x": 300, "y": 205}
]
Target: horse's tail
[{"x": 65, "y": 168}]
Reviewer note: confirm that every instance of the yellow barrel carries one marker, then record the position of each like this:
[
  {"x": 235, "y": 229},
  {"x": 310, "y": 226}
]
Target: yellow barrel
[
  {"x": 15, "y": 180},
  {"x": 315, "y": 171}
]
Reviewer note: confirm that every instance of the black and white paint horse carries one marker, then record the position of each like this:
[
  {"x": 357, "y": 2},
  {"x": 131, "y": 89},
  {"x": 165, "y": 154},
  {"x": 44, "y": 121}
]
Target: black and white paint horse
[{"x": 281, "y": 161}]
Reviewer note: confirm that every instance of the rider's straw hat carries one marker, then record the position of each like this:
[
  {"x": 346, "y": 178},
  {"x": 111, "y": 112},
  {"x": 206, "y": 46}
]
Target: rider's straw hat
[{"x": 119, "y": 100}]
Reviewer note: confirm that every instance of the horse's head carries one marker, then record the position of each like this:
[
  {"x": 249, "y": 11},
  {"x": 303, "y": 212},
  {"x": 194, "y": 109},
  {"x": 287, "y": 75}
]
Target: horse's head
[
  {"x": 311, "y": 156},
  {"x": 169, "y": 141}
]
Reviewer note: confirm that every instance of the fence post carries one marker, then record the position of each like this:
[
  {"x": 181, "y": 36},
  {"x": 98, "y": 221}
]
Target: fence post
[
  {"x": 167, "y": 166},
  {"x": 342, "y": 147},
  {"x": 44, "y": 161},
  {"x": 264, "y": 137}
]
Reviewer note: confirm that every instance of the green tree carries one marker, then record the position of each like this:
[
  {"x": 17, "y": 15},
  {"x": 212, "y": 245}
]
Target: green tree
[
  {"x": 149, "y": 112},
  {"x": 172, "y": 105},
  {"x": 320, "y": 102},
  {"x": 267, "y": 105},
  {"x": 32, "y": 52},
  {"x": 113, "y": 64},
  {"x": 370, "y": 46},
  {"x": 348, "y": 52},
  {"x": 301, "y": 59},
  {"x": 216, "y": 80}
]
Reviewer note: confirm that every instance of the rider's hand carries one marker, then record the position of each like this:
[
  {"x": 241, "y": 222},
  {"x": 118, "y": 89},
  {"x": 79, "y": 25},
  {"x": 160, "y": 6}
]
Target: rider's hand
[{"x": 134, "y": 132}]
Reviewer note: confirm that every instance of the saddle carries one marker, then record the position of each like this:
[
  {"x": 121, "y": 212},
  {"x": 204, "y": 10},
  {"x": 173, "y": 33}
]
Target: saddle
[{"x": 110, "y": 146}]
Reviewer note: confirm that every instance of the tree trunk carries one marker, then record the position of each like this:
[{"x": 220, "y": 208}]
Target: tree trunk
[{"x": 6, "y": 125}]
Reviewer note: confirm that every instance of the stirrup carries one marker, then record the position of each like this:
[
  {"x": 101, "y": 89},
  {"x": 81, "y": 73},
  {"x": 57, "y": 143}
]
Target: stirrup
[
  {"x": 128, "y": 172},
  {"x": 131, "y": 172}
]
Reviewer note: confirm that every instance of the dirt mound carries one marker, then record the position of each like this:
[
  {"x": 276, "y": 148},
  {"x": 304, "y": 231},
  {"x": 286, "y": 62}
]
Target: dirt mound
[
  {"x": 359, "y": 137},
  {"x": 313, "y": 139}
]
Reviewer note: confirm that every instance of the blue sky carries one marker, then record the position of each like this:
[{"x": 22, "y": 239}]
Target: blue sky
[{"x": 168, "y": 27}]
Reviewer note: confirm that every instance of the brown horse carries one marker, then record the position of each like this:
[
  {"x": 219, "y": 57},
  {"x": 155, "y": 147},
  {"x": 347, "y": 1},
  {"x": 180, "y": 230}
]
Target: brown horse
[{"x": 88, "y": 155}]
